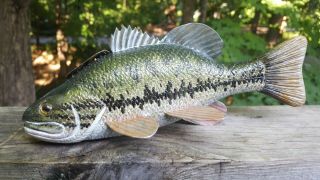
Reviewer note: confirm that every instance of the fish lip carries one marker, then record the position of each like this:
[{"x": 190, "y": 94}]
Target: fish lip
[{"x": 30, "y": 128}]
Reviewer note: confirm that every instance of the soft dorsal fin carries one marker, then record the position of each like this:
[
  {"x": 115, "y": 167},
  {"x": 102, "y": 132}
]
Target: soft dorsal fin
[
  {"x": 90, "y": 60},
  {"x": 137, "y": 127},
  {"x": 196, "y": 36},
  {"x": 128, "y": 38}
]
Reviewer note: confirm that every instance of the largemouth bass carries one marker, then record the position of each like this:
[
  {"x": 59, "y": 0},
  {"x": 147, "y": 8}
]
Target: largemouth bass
[{"x": 146, "y": 83}]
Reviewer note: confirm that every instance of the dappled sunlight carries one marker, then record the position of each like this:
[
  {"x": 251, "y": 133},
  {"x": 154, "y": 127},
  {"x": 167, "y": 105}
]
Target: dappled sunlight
[
  {"x": 46, "y": 64},
  {"x": 46, "y": 67},
  {"x": 63, "y": 38},
  {"x": 44, "y": 58}
]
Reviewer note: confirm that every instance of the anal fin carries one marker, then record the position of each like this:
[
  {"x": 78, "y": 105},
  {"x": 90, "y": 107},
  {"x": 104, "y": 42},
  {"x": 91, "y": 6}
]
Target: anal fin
[
  {"x": 203, "y": 115},
  {"x": 137, "y": 127}
]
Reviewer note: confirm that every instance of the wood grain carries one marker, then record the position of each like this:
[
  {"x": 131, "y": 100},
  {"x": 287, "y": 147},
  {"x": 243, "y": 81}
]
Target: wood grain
[{"x": 278, "y": 142}]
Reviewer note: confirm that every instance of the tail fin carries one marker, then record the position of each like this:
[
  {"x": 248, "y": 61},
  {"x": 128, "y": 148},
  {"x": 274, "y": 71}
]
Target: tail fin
[{"x": 284, "y": 79}]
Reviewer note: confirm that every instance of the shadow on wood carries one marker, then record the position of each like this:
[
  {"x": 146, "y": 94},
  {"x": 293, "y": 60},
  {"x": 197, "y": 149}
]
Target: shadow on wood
[{"x": 278, "y": 142}]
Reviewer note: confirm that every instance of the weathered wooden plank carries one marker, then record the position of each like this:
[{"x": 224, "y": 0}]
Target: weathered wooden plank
[{"x": 278, "y": 142}]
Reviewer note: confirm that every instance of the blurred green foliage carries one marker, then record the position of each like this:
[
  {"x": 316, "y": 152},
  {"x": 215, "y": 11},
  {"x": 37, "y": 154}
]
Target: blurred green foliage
[
  {"x": 232, "y": 19},
  {"x": 239, "y": 45}
]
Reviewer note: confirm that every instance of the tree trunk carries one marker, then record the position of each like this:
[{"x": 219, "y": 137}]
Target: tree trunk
[
  {"x": 16, "y": 76},
  {"x": 203, "y": 10},
  {"x": 273, "y": 34},
  {"x": 255, "y": 21},
  {"x": 188, "y": 8},
  {"x": 62, "y": 43}
]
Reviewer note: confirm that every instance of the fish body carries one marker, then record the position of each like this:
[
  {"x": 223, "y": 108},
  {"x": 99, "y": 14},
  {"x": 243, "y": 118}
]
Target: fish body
[{"x": 145, "y": 83}]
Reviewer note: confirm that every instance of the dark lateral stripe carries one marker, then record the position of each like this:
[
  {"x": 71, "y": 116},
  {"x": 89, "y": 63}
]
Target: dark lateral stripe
[
  {"x": 152, "y": 96},
  {"x": 61, "y": 116},
  {"x": 87, "y": 116},
  {"x": 72, "y": 125},
  {"x": 87, "y": 104}
]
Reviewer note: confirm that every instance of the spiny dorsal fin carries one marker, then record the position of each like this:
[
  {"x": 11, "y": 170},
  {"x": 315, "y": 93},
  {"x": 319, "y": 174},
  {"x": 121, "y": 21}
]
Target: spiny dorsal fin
[
  {"x": 128, "y": 38},
  {"x": 137, "y": 127},
  {"x": 196, "y": 36}
]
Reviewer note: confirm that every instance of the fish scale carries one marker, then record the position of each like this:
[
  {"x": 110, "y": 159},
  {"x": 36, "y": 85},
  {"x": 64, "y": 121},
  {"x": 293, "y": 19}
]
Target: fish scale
[
  {"x": 194, "y": 69},
  {"x": 145, "y": 83},
  {"x": 157, "y": 55}
]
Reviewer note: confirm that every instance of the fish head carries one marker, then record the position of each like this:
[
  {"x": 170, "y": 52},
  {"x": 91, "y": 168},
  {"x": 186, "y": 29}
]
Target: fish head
[{"x": 51, "y": 117}]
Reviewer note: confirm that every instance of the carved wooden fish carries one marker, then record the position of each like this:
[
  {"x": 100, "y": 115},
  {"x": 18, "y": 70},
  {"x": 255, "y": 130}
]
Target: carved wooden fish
[{"x": 146, "y": 83}]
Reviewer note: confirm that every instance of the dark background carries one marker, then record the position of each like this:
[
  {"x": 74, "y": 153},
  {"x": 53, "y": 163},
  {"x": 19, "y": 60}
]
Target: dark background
[{"x": 41, "y": 40}]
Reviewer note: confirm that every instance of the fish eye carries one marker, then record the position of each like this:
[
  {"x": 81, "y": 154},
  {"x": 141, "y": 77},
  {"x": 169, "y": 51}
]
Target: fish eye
[{"x": 45, "y": 108}]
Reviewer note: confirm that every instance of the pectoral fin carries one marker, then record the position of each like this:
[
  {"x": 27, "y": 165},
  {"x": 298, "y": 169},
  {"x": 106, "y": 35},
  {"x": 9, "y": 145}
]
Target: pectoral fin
[
  {"x": 220, "y": 106},
  {"x": 206, "y": 115},
  {"x": 138, "y": 127}
]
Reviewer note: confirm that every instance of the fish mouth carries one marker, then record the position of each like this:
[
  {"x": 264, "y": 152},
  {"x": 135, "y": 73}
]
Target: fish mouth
[
  {"x": 58, "y": 133},
  {"x": 45, "y": 129}
]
